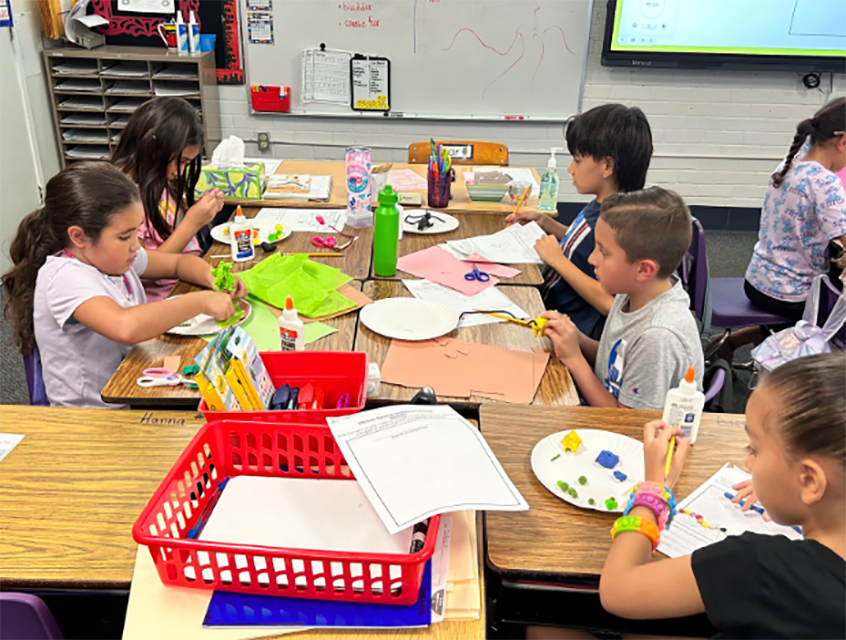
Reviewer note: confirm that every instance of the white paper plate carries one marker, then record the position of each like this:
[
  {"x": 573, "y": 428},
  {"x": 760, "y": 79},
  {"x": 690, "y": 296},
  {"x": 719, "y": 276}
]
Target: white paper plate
[
  {"x": 409, "y": 318},
  {"x": 265, "y": 228},
  {"x": 450, "y": 223},
  {"x": 601, "y": 483},
  {"x": 204, "y": 325}
]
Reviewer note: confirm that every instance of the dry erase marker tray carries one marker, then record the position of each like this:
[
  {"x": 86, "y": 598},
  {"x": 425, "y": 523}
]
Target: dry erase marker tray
[
  {"x": 225, "y": 449},
  {"x": 341, "y": 374}
]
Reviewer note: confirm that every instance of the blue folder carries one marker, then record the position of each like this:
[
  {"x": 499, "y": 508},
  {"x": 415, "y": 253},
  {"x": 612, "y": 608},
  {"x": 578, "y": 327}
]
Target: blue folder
[{"x": 236, "y": 609}]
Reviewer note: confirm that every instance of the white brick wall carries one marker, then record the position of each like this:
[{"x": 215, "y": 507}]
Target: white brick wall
[{"x": 718, "y": 134}]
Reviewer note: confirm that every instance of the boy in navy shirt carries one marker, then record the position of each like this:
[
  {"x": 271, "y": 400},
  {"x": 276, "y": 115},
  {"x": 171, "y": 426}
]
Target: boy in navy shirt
[{"x": 611, "y": 147}]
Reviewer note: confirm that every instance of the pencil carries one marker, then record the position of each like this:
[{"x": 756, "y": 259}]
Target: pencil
[
  {"x": 669, "y": 458},
  {"x": 521, "y": 200}
]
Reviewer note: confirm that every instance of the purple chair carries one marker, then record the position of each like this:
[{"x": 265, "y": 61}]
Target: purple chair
[
  {"x": 26, "y": 617},
  {"x": 828, "y": 297},
  {"x": 34, "y": 379},
  {"x": 729, "y": 307}
]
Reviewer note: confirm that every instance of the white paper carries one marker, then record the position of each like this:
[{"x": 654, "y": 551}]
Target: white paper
[
  {"x": 300, "y": 513},
  {"x": 128, "y": 86},
  {"x": 83, "y": 102},
  {"x": 91, "y": 119},
  {"x": 686, "y": 535},
  {"x": 305, "y": 219},
  {"x": 513, "y": 245},
  {"x": 406, "y": 180},
  {"x": 270, "y": 164},
  {"x": 319, "y": 189},
  {"x": 73, "y": 84},
  {"x": 147, "y": 6},
  {"x": 491, "y": 299},
  {"x": 86, "y": 135},
  {"x": 326, "y": 76},
  {"x": 127, "y": 70},
  {"x": 176, "y": 89},
  {"x": 415, "y": 461},
  {"x": 518, "y": 174},
  {"x": 370, "y": 84},
  {"x": 89, "y": 152},
  {"x": 176, "y": 73},
  {"x": 92, "y": 20},
  {"x": 440, "y": 567},
  {"x": 8, "y": 441},
  {"x": 127, "y": 105},
  {"x": 76, "y": 67}
]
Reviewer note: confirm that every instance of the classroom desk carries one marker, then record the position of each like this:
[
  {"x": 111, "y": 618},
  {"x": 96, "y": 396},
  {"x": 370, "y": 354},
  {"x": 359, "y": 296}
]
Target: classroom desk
[
  {"x": 470, "y": 225},
  {"x": 555, "y": 542},
  {"x": 122, "y": 389},
  {"x": 355, "y": 261},
  {"x": 460, "y": 202},
  {"x": 73, "y": 488},
  {"x": 71, "y": 495},
  {"x": 556, "y": 386}
]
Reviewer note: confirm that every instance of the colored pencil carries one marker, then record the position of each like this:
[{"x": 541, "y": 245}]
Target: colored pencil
[{"x": 669, "y": 458}]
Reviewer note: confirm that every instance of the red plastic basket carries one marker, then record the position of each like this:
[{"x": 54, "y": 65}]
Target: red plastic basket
[
  {"x": 336, "y": 372},
  {"x": 227, "y": 449}
]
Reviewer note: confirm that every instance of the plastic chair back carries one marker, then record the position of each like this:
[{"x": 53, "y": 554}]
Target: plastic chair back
[
  {"x": 26, "y": 617},
  {"x": 828, "y": 297},
  {"x": 34, "y": 379},
  {"x": 481, "y": 152}
]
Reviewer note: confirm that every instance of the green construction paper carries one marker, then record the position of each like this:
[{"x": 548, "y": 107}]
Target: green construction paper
[
  {"x": 223, "y": 278},
  {"x": 316, "y": 330},
  {"x": 312, "y": 285},
  {"x": 262, "y": 326}
]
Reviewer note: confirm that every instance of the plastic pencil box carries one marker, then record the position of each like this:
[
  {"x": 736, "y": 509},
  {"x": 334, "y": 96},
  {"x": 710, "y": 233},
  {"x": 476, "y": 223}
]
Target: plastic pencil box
[
  {"x": 341, "y": 375},
  {"x": 225, "y": 449}
]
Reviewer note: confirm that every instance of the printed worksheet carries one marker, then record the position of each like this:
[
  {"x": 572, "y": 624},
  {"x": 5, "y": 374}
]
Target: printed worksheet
[
  {"x": 491, "y": 299},
  {"x": 305, "y": 219},
  {"x": 513, "y": 245},
  {"x": 686, "y": 534},
  {"x": 8, "y": 441}
]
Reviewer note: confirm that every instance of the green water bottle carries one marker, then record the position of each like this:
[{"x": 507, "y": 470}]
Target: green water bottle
[{"x": 386, "y": 233}]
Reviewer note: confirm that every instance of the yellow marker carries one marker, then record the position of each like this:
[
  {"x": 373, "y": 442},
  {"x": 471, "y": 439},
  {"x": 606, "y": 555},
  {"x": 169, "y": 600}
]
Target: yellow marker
[{"x": 669, "y": 458}]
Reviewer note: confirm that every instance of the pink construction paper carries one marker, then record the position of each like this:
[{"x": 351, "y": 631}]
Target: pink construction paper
[
  {"x": 442, "y": 267},
  {"x": 492, "y": 268}
]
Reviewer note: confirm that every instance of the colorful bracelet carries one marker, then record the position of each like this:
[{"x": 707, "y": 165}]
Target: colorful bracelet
[
  {"x": 633, "y": 523},
  {"x": 662, "y": 492},
  {"x": 652, "y": 502}
]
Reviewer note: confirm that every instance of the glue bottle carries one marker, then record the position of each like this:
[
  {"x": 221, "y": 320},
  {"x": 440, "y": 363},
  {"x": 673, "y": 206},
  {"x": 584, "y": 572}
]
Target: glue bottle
[
  {"x": 386, "y": 223},
  {"x": 291, "y": 336},
  {"x": 241, "y": 237},
  {"x": 550, "y": 182},
  {"x": 683, "y": 406},
  {"x": 193, "y": 34},
  {"x": 181, "y": 35}
]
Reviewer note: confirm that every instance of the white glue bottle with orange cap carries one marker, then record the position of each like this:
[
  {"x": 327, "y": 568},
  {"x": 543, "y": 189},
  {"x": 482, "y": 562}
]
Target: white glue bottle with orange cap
[
  {"x": 291, "y": 336},
  {"x": 241, "y": 237},
  {"x": 683, "y": 406}
]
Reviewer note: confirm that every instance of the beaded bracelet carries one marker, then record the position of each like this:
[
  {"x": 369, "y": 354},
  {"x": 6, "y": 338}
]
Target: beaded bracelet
[
  {"x": 653, "y": 503},
  {"x": 633, "y": 523}
]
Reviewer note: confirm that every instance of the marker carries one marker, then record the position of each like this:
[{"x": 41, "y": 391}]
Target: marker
[
  {"x": 418, "y": 536},
  {"x": 194, "y": 532},
  {"x": 758, "y": 509}
]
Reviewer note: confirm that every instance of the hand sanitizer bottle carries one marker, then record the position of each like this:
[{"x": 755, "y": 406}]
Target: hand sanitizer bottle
[
  {"x": 683, "y": 406},
  {"x": 550, "y": 182},
  {"x": 181, "y": 35},
  {"x": 193, "y": 34}
]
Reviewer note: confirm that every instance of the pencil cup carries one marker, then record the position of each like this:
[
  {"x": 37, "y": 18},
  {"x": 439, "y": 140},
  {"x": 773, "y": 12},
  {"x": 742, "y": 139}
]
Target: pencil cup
[{"x": 439, "y": 189}]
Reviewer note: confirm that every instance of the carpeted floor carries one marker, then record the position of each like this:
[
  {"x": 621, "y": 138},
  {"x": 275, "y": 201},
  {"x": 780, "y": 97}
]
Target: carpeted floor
[{"x": 728, "y": 256}]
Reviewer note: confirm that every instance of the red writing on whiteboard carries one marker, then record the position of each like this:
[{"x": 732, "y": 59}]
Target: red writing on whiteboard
[
  {"x": 356, "y": 6},
  {"x": 362, "y": 24}
]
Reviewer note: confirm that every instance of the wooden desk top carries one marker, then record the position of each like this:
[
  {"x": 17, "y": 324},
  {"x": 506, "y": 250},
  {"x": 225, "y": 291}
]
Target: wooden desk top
[
  {"x": 460, "y": 203},
  {"x": 471, "y": 225},
  {"x": 73, "y": 488},
  {"x": 553, "y": 540},
  {"x": 71, "y": 494},
  {"x": 122, "y": 389},
  {"x": 556, "y": 386}
]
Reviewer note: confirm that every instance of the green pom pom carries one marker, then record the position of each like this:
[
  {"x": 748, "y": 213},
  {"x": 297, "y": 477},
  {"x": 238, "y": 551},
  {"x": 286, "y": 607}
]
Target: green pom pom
[
  {"x": 591, "y": 501},
  {"x": 582, "y": 480}
]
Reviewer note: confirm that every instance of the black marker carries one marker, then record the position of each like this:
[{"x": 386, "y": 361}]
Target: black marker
[{"x": 418, "y": 536}]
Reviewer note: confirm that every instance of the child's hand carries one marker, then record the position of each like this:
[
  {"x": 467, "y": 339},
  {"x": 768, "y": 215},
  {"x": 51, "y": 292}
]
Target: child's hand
[
  {"x": 206, "y": 208},
  {"x": 240, "y": 289},
  {"x": 656, "y": 441},
  {"x": 218, "y": 305},
  {"x": 523, "y": 217},
  {"x": 549, "y": 250},
  {"x": 563, "y": 333},
  {"x": 746, "y": 492}
]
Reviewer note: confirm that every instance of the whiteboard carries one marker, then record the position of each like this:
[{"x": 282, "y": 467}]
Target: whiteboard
[{"x": 453, "y": 59}]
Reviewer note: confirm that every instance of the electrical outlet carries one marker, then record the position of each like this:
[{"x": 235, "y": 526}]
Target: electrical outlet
[{"x": 264, "y": 141}]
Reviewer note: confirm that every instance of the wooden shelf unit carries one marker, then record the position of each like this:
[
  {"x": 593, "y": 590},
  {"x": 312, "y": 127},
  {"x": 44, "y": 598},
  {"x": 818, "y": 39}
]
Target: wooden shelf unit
[{"x": 96, "y": 92}]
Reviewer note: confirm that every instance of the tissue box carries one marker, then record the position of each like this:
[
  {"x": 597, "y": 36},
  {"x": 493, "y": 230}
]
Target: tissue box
[{"x": 247, "y": 182}]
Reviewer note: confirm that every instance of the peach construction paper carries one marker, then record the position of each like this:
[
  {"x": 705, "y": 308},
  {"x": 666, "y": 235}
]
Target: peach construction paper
[
  {"x": 458, "y": 368},
  {"x": 437, "y": 265}
]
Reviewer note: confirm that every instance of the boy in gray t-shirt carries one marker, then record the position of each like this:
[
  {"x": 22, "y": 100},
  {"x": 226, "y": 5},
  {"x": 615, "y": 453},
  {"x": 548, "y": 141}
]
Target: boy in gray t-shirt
[{"x": 650, "y": 338}]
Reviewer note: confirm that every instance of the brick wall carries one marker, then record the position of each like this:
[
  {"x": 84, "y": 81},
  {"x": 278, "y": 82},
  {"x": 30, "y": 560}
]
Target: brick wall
[{"x": 718, "y": 134}]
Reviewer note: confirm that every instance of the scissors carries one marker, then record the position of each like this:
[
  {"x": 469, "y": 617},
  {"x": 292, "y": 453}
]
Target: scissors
[
  {"x": 481, "y": 276},
  {"x": 343, "y": 401},
  {"x": 322, "y": 220},
  {"x": 161, "y": 377},
  {"x": 331, "y": 243},
  {"x": 537, "y": 325}
]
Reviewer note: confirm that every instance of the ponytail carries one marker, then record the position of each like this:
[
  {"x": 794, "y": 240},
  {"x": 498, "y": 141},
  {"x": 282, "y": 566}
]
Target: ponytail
[
  {"x": 827, "y": 123},
  {"x": 85, "y": 195},
  {"x": 29, "y": 250}
]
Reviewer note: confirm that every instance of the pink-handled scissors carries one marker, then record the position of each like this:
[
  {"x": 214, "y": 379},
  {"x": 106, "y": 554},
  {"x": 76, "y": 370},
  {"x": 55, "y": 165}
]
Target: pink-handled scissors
[
  {"x": 161, "y": 377},
  {"x": 322, "y": 220},
  {"x": 331, "y": 243}
]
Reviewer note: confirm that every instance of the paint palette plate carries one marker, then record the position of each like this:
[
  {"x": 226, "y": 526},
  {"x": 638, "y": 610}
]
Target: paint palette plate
[
  {"x": 450, "y": 223},
  {"x": 264, "y": 228},
  {"x": 409, "y": 318},
  {"x": 601, "y": 483},
  {"x": 204, "y": 325}
]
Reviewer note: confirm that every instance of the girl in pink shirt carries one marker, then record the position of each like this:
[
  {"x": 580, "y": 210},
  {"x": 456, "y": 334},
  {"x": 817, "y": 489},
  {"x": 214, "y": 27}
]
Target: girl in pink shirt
[{"x": 160, "y": 151}]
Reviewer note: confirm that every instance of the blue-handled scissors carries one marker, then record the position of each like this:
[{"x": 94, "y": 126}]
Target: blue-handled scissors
[{"x": 481, "y": 276}]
